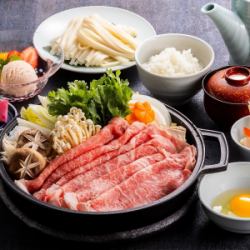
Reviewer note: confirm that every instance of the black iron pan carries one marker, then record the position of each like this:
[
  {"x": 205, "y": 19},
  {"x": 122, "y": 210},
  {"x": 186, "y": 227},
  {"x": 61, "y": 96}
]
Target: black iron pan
[{"x": 130, "y": 218}]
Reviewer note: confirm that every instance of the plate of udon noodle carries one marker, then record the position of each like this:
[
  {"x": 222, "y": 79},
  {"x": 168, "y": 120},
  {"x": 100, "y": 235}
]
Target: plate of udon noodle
[{"x": 93, "y": 38}]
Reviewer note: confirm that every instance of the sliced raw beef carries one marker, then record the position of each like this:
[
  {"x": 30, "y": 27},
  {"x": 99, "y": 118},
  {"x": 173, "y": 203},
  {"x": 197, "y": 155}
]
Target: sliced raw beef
[
  {"x": 177, "y": 161},
  {"x": 55, "y": 193},
  {"x": 175, "y": 136},
  {"x": 189, "y": 155},
  {"x": 152, "y": 146},
  {"x": 99, "y": 169},
  {"x": 144, "y": 187},
  {"x": 159, "y": 142},
  {"x": 137, "y": 140},
  {"x": 80, "y": 168},
  {"x": 96, "y": 187},
  {"x": 90, "y": 156},
  {"x": 114, "y": 129},
  {"x": 107, "y": 167},
  {"x": 106, "y": 182},
  {"x": 40, "y": 194}
]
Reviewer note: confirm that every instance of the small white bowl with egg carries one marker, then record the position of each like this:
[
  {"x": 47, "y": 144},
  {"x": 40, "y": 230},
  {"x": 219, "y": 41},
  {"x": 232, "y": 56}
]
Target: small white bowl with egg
[
  {"x": 225, "y": 197},
  {"x": 240, "y": 139},
  {"x": 175, "y": 75}
]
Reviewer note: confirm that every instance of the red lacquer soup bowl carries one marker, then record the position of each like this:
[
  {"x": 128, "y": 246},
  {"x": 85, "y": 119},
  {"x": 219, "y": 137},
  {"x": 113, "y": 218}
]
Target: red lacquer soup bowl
[{"x": 226, "y": 94}]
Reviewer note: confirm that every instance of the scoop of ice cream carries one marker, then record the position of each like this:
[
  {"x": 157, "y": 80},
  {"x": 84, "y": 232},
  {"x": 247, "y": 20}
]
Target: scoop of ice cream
[{"x": 18, "y": 72}]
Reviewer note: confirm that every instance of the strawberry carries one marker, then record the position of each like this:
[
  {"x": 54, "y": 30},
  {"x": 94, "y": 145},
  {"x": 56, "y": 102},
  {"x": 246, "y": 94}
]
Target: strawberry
[
  {"x": 13, "y": 53},
  {"x": 30, "y": 56}
]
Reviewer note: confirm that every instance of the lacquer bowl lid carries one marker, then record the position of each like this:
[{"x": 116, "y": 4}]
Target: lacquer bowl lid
[{"x": 231, "y": 84}]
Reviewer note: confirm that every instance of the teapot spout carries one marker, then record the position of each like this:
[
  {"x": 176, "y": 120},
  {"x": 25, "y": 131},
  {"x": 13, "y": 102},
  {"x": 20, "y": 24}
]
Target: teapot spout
[{"x": 233, "y": 31}]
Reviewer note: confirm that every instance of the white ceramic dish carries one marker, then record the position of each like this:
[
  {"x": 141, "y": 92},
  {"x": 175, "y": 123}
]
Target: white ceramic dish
[
  {"x": 56, "y": 24},
  {"x": 173, "y": 90},
  {"x": 237, "y": 176},
  {"x": 162, "y": 114},
  {"x": 237, "y": 135}
]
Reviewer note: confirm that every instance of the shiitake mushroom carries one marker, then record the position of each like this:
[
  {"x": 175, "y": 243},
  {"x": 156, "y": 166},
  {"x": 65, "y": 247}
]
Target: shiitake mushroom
[
  {"x": 26, "y": 163},
  {"x": 34, "y": 139}
]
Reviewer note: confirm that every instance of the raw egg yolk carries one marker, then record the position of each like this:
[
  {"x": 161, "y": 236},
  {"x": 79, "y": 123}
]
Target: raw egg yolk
[{"x": 240, "y": 205}]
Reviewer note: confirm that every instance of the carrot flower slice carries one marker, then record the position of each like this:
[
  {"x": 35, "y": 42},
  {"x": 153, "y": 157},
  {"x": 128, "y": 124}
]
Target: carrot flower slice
[
  {"x": 247, "y": 132},
  {"x": 141, "y": 111}
]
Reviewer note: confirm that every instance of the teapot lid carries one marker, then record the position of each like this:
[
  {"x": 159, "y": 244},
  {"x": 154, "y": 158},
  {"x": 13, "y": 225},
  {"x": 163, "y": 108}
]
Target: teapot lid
[{"x": 231, "y": 84}]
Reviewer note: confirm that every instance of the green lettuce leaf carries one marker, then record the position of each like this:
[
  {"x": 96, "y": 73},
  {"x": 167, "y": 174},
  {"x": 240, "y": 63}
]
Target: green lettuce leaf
[{"x": 104, "y": 99}]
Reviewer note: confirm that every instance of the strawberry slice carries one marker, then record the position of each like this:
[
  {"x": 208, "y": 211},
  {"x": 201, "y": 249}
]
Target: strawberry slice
[
  {"x": 13, "y": 53},
  {"x": 30, "y": 56},
  {"x": 4, "y": 105}
]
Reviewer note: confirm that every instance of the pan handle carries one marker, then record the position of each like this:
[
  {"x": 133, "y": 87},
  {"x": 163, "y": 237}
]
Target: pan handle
[{"x": 224, "y": 152}]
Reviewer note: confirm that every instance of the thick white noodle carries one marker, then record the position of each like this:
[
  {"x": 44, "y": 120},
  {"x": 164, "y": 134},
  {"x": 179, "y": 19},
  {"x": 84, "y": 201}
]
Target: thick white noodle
[
  {"x": 107, "y": 37},
  {"x": 93, "y": 41}
]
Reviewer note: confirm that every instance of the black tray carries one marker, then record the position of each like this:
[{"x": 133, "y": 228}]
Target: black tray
[{"x": 158, "y": 226}]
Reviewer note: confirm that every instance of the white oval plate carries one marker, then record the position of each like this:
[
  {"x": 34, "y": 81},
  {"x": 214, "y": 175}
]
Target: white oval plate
[{"x": 56, "y": 24}]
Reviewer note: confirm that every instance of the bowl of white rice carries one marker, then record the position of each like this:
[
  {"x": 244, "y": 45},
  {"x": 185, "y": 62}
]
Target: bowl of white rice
[{"x": 171, "y": 66}]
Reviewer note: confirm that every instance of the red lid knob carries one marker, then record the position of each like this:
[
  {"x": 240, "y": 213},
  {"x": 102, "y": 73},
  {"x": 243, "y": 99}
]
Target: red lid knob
[{"x": 237, "y": 76}]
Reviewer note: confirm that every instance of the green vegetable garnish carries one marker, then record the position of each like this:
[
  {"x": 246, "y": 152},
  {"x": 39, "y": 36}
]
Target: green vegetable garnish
[
  {"x": 2, "y": 63},
  {"x": 11, "y": 58},
  {"x": 104, "y": 99},
  {"x": 14, "y": 58}
]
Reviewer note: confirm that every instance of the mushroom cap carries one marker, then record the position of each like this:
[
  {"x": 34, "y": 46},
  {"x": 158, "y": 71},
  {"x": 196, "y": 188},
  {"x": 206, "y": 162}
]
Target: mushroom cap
[
  {"x": 45, "y": 141},
  {"x": 20, "y": 155}
]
